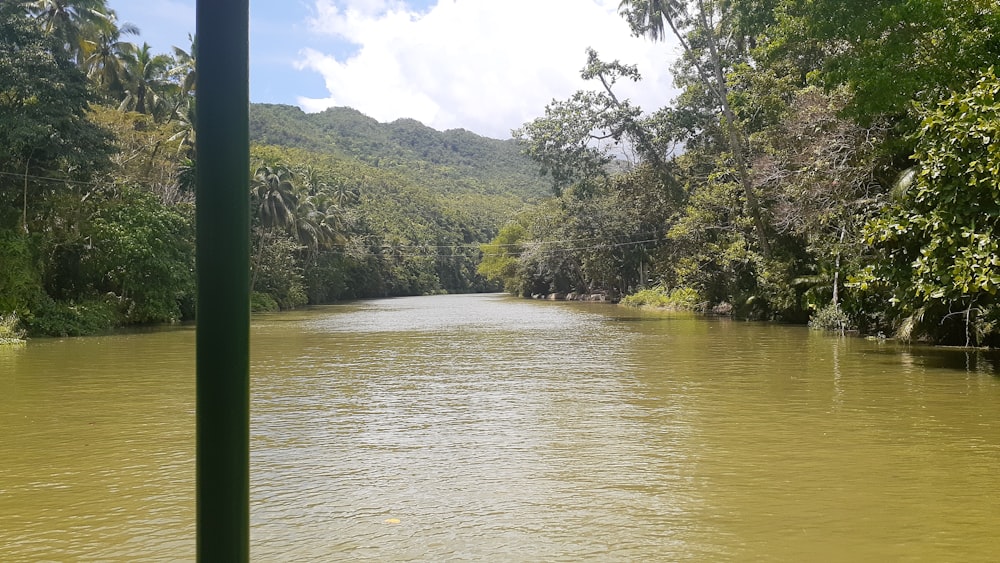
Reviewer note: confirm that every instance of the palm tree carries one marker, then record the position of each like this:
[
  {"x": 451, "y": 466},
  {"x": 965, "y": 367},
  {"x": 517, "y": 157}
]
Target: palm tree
[
  {"x": 312, "y": 180},
  {"x": 185, "y": 120},
  {"x": 648, "y": 16},
  {"x": 274, "y": 202},
  {"x": 68, "y": 19},
  {"x": 185, "y": 66},
  {"x": 146, "y": 76},
  {"x": 186, "y": 175},
  {"x": 344, "y": 194},
  {"x": 273, "y": 193},
  {"x": 319, "y": 217},
  {"x": 103, "y": 53},
  {"x": 319, "y": 223}
]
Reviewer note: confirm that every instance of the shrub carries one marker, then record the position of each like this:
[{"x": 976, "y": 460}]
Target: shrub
[
  {"x": 20, "y": 282},
  {"x": 56, "y": 318},
  {"x": 831, "y": 317},
  {"x": 679, "y": 299},
  {"x": 10, "y": 329},
  {"x": 262, "y": 303}
]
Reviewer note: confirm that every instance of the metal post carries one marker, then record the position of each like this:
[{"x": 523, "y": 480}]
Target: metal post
[{"x": 223, "y": 258}]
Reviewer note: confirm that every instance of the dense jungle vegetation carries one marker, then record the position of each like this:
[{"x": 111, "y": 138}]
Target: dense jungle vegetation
[
  {"x": 827, "y": 161},
  {"x": 97, "y": 165}
]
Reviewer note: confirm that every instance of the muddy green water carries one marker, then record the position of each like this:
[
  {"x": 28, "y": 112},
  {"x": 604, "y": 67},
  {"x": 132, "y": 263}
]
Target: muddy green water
[{"x": 483, "y": 428}]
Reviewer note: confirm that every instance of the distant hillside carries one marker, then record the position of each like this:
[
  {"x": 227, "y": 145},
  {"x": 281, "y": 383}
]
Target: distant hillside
[{"x": 451, "y": 158}]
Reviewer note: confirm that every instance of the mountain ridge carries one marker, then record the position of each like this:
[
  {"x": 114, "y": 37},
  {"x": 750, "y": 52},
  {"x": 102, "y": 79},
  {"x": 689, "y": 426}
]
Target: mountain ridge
[{"x": 482, "y": 164}]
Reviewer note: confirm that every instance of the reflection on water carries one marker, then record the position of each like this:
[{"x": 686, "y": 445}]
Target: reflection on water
[{"x": 489, "y": 428}]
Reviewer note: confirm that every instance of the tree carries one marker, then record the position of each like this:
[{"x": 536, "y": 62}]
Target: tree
[
  {"x": 274, "y": 195},
  {"x": 344, "y": 193},
  {"x": 500, "y": 257},
  {"x": 940, "y": 241},
  {"x": 319, "y": 222},
  {"x": 185, "y": 66},
  {"x": 69, "y": 20},
  {"x": 822, "y": 171},
  {"x": 145, "y": 75},
  {"x": 104, "y": 52},
  {"x": 45, "y": 137},
  {"x": 697, "y": 25},
  {"x": 274, "y": 201},
  {"x": 648, "y": 16},
  {"x": 142, "y": 251},
  {"x": 578, "y": 139},
  {"x": 893, "y": 52},
  {"x": 185, "y": 119}
]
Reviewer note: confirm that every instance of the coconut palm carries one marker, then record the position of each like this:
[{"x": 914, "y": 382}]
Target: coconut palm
[
  {"x": 186, "y": 175},
  {"x": 145, "y": 78},
  {"x": 273, "y": 194},
  {"x": 647, "y": 17},
  {"x": 185, "y": 65},
  {"x": 312, "y": 180},
  {"x": 319, "y": 223},
  {"x": 184, "y": 124},
  {"x": 344, "y": 194},
  {"x": 103, "y": 53},
  {"x": 68, "y": 19},
  {"x": 274, "y": 201}
]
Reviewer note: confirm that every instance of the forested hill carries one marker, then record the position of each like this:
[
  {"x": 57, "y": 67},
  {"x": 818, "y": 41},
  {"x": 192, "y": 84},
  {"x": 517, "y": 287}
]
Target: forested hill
[
  {"x": 98, "y": 166},
  {"x": 450, "y": 160}
]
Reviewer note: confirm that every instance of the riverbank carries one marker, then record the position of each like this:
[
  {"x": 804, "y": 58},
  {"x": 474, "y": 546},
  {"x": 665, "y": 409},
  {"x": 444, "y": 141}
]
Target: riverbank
[{"x": 572, "y": 296}]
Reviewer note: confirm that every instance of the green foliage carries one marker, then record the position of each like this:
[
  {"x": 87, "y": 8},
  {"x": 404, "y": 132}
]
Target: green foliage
[
  {"x": 500, "y": 257},
  {"x": 20, "y": 279},
  {"x": 659, "y": 297},
  {"x": 145, "y": 152},
  {"x": 579, "y": 139},
  {"x": 893, "y": 52},
  {"x": 766, "y": 205},
  {"x": 454, "y": 161},
  {"x": 10, "y": 329},
  {"x": 278, "y": 274},
  {"x": 142, "y": 251},
  {"x": 941, "y": 240},
  {"x": 369, "y": 231},
  {"x": 44, "y": 132},
  {"x": 263, "y": 303},
  {"x": 830, "y": 317},
  {"x": 600, "y": 242},
  {"x": 73, "y": 318}
]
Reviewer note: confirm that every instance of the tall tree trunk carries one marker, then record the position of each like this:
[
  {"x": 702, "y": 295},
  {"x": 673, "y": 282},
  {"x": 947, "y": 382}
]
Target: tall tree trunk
[
  {"x": 737, "y": 141},
  {"x": 24, "y": 208},
  {"x": 140, "y": 102},
  {"x": 255, "y": 265},
  {"x": 836, "y": 271},
  {"x": 715, "y": 82}
]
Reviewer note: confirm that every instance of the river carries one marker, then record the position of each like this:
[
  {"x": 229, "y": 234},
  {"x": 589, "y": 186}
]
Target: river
[{"x": 486, "y": 428}]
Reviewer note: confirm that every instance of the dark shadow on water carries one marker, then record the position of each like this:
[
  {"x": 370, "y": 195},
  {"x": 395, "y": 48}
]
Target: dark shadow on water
[{"x": 969, "y": 360}]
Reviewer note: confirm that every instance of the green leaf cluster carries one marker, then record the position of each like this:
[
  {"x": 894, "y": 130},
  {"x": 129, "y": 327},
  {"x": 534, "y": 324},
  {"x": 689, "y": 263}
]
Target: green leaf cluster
[{"x": 942, "y": 237}]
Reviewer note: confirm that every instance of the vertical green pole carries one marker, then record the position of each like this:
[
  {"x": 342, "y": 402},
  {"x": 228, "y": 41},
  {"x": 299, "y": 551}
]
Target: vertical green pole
[{"x": 223, "y": 258}]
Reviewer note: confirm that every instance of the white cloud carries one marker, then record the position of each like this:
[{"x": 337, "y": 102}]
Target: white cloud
[{"x": 484, "y": 65}]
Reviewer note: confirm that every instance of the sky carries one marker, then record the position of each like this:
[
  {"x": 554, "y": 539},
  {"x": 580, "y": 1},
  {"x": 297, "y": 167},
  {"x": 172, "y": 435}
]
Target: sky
[{"x": 488, "y": 66}]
